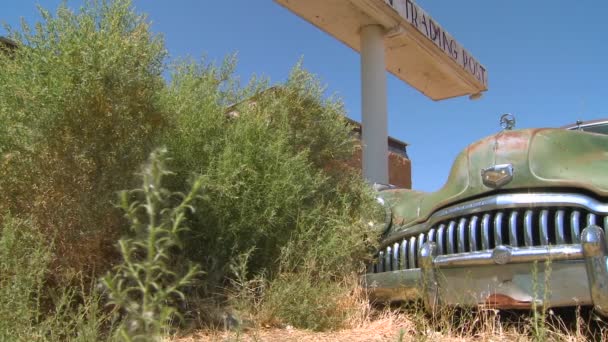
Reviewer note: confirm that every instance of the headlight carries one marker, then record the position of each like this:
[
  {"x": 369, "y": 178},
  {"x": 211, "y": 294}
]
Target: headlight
[{"x": 381, "y": 216}]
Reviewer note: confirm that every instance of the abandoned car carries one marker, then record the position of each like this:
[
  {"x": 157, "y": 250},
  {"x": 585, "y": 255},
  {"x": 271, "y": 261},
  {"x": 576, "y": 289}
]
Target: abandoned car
[{"x": 519, "y": 223}]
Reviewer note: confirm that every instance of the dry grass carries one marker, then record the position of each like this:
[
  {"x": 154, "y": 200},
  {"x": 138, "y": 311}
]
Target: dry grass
[
  {"x": 367, "y": 322},
  {"x": 386, "y": 328},
  {"x": 389, "y": 327},
  {"x": 413, "y": 325}
]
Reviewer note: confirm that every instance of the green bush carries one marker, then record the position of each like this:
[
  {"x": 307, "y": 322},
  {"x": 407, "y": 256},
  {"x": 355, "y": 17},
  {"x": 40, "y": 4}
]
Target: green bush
[
  {"x": 24, "y": 261},
  {"x": 275, "y": 186},
  {"x": 31, "y": 311},
  {"x": 263, "y": 169},
  {"x": 78, "y": 115},
  {"x": 83, "y": 102},
  {"x": 303, "y": 301}
]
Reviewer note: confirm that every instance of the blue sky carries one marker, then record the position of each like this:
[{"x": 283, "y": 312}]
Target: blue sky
[{"x": 546, "y": 59}]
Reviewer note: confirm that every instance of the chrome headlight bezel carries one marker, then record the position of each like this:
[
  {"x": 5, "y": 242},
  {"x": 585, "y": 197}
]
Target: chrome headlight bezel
[
  {"x": 383, "y": 227},
  {"x": 388, "y": 213}
]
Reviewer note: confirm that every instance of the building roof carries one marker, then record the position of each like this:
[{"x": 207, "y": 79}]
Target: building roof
[
  {"x": 7, "y": 43},
  {"x": 394, "y": 145}
]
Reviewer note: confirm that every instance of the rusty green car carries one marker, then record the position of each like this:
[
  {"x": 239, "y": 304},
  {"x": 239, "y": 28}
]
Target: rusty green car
[{"x": 519, "y": 223}]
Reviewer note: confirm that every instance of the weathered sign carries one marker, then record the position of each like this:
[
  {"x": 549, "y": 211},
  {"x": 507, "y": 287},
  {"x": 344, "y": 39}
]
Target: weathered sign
[
  {"x": 418, "y": 18},
  {"x": 417, "y": 49}
]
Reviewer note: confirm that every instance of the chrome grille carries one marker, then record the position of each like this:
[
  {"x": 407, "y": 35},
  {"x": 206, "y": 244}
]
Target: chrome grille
[{"x": 483, "y": 230}]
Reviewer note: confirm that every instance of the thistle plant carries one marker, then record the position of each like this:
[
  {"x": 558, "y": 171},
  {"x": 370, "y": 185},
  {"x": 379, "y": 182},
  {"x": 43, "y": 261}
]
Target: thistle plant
[{"x": 146, "y": 286}]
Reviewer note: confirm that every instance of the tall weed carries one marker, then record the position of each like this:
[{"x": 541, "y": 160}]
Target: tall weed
[{"x": 148, "y": 282}]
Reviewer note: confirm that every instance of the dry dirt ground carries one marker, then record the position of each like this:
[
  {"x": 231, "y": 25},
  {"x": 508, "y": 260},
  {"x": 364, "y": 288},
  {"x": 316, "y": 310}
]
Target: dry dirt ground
[{"x": 386, "y": 329}]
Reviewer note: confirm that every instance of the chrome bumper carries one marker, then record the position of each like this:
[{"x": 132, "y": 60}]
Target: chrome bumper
[{"x": 505, "y": 277}]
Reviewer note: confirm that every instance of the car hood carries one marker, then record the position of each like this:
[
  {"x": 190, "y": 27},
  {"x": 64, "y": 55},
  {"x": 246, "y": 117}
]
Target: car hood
[{"x": 541, "y": 158}]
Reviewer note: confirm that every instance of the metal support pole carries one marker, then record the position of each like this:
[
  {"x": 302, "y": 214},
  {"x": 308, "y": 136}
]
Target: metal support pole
[{"x": 373, "y": 105}]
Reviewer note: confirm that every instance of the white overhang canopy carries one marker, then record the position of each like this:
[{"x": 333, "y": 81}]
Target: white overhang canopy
[{"x": 417, "y": 49}]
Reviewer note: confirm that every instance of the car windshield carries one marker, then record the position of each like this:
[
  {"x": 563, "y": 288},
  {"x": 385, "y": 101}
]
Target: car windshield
[{"x": 599, "y": 128}]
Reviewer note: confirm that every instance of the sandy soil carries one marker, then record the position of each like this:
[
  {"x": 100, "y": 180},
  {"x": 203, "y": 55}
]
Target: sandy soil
[{"x": 376, "y": 331}]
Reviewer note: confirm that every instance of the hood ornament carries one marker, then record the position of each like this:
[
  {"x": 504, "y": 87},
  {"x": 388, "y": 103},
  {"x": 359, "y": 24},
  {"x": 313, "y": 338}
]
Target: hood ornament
[
  {"x": 507, "y": 121},
  {"x": 497, "y": 176}
]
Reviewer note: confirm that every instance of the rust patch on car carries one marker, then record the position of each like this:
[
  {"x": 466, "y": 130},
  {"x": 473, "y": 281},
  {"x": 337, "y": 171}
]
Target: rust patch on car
[
  {"x": 514, "y": 140},
  {"x": 479, "y": 144},
  {"x": 502, "y": 301},
  {"x": 398, "y": 220}
]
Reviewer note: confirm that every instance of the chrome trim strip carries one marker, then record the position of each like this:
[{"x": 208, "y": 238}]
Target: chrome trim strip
[
  {"x": 473, "y": 243},
  {"x": 440, "y": 239},
  {"x": 381, "y": 261},
  {"x": 589, "y": 123},
  {"x": 387, "y": 259},
  {"x": 395, "y": 262},
  {"x": 528, "y": 200},
  {"x": 412, "y": 252},
  {"x": 461, "y": 238},
  {"x": 498, "y": 239},
  {"x": 513, "y": 229},
  {"x": 528, "y": 228},
  {"x": 575, "y": 226},
  {"x": 591, "y": 220},
  {"x": 485, "y": 232},
  {"x": 543, "y": 221},
  {"x": 450, "y": 238},
  {"x": 431, "y": 235},
  {"x": 421, "y": 241},
  {"x": 517, "y": 255},
  {"x": 403, "y": 254},
  {"x": 560, "y": 230}
]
